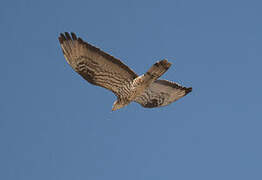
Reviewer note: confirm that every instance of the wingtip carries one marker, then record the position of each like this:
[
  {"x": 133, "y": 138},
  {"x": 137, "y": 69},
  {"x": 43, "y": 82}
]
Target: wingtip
[
  {"x": 73, "y": 36},
  {"x": 67, "y": 36},
  {"x": 61, "y": 38},
  {"x": 188, "y": 90}
]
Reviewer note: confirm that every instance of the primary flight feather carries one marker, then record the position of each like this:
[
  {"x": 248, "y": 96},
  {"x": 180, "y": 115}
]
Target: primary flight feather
[{"x": 102, "y": 69}]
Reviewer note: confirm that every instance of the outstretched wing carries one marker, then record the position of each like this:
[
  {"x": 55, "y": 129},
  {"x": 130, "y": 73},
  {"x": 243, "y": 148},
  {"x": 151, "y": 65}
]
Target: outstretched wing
[
  {"x": 94, "y": 65},
  {"x": 162, "y": 93}
]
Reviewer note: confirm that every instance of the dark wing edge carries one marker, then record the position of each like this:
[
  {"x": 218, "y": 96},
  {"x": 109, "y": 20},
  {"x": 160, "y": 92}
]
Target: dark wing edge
[
  {"x": 63, "y": 38},
  {"x": 162, "y": 93},
  {"x": 94, "y": 65}
]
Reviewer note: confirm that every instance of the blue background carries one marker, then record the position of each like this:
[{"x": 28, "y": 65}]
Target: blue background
[{"x": 54, "y": 125}]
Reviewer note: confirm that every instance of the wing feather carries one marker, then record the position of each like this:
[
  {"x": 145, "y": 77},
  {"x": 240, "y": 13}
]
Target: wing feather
[
  {"x": 94, "y": 65},
  {"x": 162, "y": 93}
]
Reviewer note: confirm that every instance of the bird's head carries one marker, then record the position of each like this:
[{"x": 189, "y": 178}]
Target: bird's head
[{"x": 118, "y": 104}]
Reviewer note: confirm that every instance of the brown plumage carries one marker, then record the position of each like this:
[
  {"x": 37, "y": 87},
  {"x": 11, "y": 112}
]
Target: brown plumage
[{"x": 102, "y": 69}]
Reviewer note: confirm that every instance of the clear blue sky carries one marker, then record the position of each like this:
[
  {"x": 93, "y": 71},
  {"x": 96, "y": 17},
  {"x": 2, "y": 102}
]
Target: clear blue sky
[{"x": 56, "y": 126}]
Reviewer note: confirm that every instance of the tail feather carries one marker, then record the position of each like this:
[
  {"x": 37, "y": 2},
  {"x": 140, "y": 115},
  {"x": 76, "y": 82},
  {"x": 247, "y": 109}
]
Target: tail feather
[{"x": 158, "y": 69}]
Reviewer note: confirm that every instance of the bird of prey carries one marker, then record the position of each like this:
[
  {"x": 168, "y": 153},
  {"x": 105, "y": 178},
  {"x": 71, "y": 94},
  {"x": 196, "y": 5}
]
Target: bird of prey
[{"x": 102, "y": 69}]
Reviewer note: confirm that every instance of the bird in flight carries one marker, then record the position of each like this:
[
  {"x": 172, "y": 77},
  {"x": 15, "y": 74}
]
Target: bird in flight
[{"x": 102, "y": 69}]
